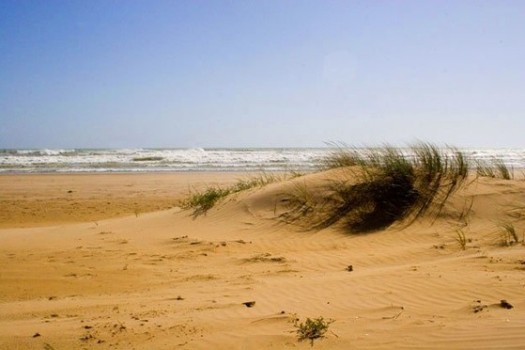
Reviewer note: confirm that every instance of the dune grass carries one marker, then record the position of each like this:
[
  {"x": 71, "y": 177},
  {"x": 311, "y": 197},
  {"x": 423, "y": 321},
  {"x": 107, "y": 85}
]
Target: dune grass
[
  {"x": 462, "y": 239},
  {"x": 383, "y": 185},
  {"x": 312, "y": 329},
  {"x": 496, "y": 169},
  {"x": 202, "y": 201},
  {"x": 509, "y": 234},
  {"x": 205, "y": 200}
]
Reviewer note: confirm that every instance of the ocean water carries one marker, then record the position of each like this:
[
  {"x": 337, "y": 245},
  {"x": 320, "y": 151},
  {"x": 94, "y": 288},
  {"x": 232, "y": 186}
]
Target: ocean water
[{"x": 195, "y": 159}]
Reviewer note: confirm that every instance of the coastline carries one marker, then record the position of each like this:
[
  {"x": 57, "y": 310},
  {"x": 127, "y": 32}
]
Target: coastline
[{"x": 55, "y": 161}]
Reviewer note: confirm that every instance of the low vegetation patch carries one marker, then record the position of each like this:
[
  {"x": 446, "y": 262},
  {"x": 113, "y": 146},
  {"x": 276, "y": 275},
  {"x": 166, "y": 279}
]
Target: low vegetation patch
[
  {"x": 312, "y": 329},
  {"x": 202, "y": 201},
  {"x": 382, "y": 185},
  {"x": 462, "y": 239},
  {"x": 509, "y": 234},
  {"x": 265, "y": 257},
  {"x": 496, "y": 169}
]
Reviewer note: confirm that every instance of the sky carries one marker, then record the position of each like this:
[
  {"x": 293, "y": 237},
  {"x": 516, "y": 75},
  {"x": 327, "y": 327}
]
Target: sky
[{"x": 282, "y": 73}]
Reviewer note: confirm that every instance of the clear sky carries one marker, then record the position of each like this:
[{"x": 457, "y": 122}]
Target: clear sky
[{"x": 262, "y": 73}]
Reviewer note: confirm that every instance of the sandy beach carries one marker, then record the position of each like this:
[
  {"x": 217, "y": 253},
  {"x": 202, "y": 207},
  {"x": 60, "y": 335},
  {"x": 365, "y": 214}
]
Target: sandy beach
[{"x": 111, "y": 261}]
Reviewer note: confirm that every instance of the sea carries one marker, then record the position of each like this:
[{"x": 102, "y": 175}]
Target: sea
[{"x": 21, "y": 161}]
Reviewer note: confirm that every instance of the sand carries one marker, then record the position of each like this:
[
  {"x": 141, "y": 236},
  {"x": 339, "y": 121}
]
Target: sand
[
  {"x": 36, "y": 200},
  {"x": 77, "y": 272}
]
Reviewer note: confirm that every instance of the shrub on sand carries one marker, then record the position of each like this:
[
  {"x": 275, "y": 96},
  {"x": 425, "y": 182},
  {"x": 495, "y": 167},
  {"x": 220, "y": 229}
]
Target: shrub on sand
[
  {"x": 382, "y": 185},
  {"x": 312, "y": 329}
]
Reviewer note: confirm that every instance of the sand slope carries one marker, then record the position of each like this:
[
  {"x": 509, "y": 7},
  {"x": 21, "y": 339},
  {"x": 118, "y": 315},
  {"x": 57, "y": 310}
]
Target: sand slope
[{"x": 166, "y": 280}]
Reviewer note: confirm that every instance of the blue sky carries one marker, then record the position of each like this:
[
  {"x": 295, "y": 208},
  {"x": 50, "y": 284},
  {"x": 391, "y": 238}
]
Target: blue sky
[{"x": 261, "y": 73}]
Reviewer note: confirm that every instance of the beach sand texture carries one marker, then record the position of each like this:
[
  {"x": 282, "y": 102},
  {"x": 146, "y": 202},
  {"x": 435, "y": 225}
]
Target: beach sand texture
[{"x": 115, "y": 264}]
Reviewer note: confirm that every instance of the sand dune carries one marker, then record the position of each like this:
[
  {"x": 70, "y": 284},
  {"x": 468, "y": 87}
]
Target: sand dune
[{"x": 166, "y": 279}]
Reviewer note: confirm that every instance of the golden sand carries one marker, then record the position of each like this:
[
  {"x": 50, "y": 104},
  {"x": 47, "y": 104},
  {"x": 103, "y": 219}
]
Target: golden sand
[{"x": 110, "y": 262}]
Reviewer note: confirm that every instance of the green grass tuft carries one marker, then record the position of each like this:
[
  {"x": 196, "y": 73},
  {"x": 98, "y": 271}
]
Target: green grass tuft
[
  {"x": 312, "y": 329},
  {"x": 462, "y": 239},
  {"x": 260, "y": 180},
  {"x": 496, "y": 168},
  {"x": 383, "y": 185},
  {"x": 202, "y": 201}
]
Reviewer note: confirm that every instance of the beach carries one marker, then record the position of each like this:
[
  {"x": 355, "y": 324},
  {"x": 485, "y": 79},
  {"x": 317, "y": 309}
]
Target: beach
[
  {"x": 262, "y": 175},
  {"x": 45, "y": 199},
  {"x": 112, "y": 261}
]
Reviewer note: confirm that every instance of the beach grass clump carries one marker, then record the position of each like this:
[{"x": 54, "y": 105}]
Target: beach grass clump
[
  {"x": 503, "y": 171},
  {"x": 509, "y": 234},
  {"x": 259, "y": 180},
  {"x": 462, "y": 239},
  {"x": 312, "y": 329},
  {"x": 382, "y": 185},
  {"x": 343, "y": 156},
  {"x": 205, "y": 200},
  {"x": 202, "y": 201},
  {"x": 496, "y": 168}
]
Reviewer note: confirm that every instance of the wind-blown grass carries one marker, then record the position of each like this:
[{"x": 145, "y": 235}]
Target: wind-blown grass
[
  {"x": 202, "y": 201},
  {"x": 205, "y": 200},
  {"x": 494, "y": 169},
  {"x": 461, "y": 238},
  {"x": 382, "y": 186},
  {"x": 510, "y": 236}
]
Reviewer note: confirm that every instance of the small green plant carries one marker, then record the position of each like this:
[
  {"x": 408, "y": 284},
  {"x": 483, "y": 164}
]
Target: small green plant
[
  {"x": 461, "y": 238},
  {"x": 510, "y": 236},
  {"x": 203, "y": 201},
  {"x": 260, "y": 180},
  {"x": 312, "y": 329}
]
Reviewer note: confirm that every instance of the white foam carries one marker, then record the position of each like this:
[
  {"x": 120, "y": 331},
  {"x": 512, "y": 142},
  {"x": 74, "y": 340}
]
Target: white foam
[{"x": 195, "y": 159}]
